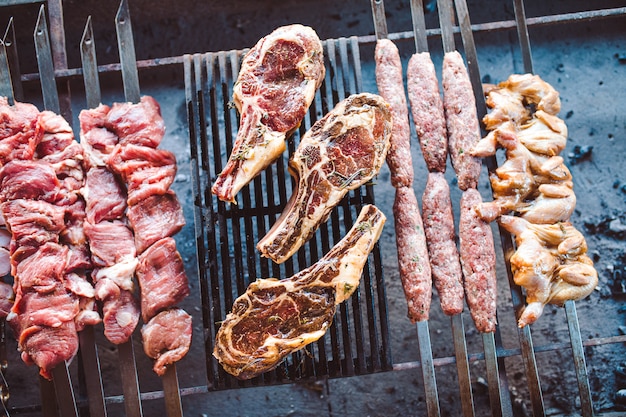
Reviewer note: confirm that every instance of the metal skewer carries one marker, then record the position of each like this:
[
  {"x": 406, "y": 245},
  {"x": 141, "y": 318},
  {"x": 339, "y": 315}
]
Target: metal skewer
[
  {"x": 130, "y": 382},
  {"x": 507, "y": 244},
  {"x": 62, "y": 385},
  {"x": 132, "y": 94},
  {"x": 423, "y": 333},
  {"x": 89, "y": 353},
  {"x": 578, "y": 352},
  {"x": 446, "y": 22}
]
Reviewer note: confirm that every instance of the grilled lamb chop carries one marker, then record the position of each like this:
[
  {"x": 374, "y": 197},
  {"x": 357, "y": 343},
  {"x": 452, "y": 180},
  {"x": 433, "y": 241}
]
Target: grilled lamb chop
[
  {"x": 274, "y": 89},
  {"x": 341, "y": 152},
  {"x": 551, "y": 263},
  {"x": 275, "y": 318}
]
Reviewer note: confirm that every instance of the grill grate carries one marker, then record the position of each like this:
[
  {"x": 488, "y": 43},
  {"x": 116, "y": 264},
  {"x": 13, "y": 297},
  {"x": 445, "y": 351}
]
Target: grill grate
[{"x": 358, "y": 341}]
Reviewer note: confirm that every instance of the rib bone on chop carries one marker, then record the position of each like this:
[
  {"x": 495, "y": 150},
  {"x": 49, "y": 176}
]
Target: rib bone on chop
[
  {"x": 274, "y": 89},
  {"x": 342, "y": 151},
  {"x": 277, "y": 317}
]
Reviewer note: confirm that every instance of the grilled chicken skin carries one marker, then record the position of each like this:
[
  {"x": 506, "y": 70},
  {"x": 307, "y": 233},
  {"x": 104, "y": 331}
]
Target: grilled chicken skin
[
  {"x": 551, "y": 263},
  {"x": 273, "y": 92},
  {"x": 342, "y": 151},
  {"x": 277, "y": 317}
]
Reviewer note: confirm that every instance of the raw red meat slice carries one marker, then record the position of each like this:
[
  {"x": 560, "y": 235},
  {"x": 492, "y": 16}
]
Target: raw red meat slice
[
  {"x": 167, "y": 338},
  {"x": 154, "y": 218},
  {"x": 105, "y": 198},
  {"x": 162, "y": 278}
]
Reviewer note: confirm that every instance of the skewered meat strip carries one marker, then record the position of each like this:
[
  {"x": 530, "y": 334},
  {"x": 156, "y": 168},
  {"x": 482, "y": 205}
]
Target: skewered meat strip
[
  {"x": 274, "y": 89},
  {"x": 277, "y": 317},
  {"x": 391, "y": 88},
  {"x": 154, "y": 214},
  {"x": 413, "y": 259},
  {"x": 442, "y": 251},
  {"x": 41, "y": 176},
  {"x": 461, "y": 120},
  {"x": 342, "y": 151},
  {"x": 478, "y": 261},
  {"x": 551, "y": 263},
  {"x": 413, "y": 262},
  {"x": 427, "y": 111},
  {"x": 111, "y": 241}
]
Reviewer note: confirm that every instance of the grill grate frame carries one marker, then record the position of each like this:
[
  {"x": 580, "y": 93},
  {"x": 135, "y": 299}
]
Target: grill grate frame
[{"x": 358, "y": 341}]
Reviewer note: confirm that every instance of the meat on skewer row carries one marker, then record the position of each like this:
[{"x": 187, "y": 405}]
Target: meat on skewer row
[
  {"x": 477, "y": 251},
  {"x": 413, "y": 262}
]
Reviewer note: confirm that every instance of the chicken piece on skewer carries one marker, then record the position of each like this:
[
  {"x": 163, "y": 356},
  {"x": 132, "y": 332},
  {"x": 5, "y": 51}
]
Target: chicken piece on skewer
[
  {"x": 537, "y": 186},
  {"x": 273, "y": 92},
  {"x": 513, "y": 99},
  {"x": 551, "y": 263},
  {"x": 277, "y": 317},
  {"x": 342, "y": 151}
]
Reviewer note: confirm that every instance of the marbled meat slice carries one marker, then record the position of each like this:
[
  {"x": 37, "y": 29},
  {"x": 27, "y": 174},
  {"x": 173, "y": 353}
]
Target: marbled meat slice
[
  {"x": 342, "y": 151},
  {"x": 478, "y": 260},
  {"x": 427, "y": 110},
  {"x": 167, "y": 337},
  {"x": 19, "y": 135},
  {"x": 441, "y": 239},
  {"x": 461, "y": 120},
  {"x": 274, "y": 89},
  {"x": 391, "y": 88},
  {"x": 32, "y": 223},
  {"x": 47, "y": 347},
  {"x": 33, "y": 180},
  {"x": 5, "y": 254},
  {"x": 105, "y": 198},
  {"x": 162, "y": 278},
  {"x": 111, "y": 242},
  {"x": 413, "y": 259},
  {"x": 7, "y": 296},
  {"x": 145, "y": 171},
  {"x": 120, "y": 314},
  {"x": 154, "y": 218},
  {"x": 137, "y": 123},
  {"x": 277, "y": 317}
]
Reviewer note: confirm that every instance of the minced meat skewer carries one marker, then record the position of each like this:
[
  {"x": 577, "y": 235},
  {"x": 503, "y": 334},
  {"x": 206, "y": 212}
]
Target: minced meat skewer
[{"x": 413, "y": 262}]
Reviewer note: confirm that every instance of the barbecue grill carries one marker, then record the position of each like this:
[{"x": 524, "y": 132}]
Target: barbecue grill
[{"x": 454, "y": 369}]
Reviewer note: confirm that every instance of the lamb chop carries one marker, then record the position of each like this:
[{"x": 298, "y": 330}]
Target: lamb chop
[
  {"x": 277, "y": 317},
  {"x": 551, "y": 263},
  {"x": 341, "y": 152},
  {"x": 274, "y": 89}
]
